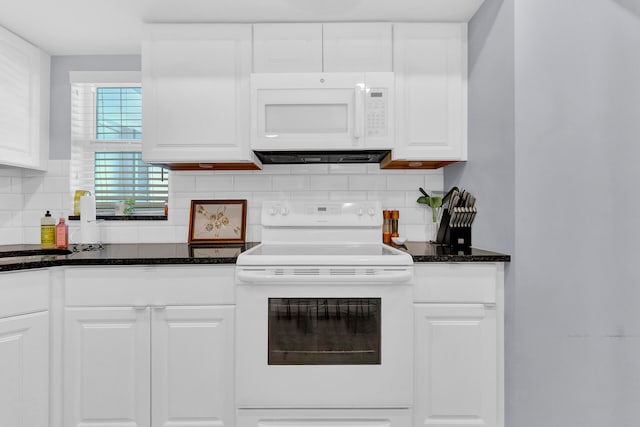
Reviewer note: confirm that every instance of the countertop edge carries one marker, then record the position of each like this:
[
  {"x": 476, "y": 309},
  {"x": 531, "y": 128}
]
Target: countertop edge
[{"x": 421, "y": 252}]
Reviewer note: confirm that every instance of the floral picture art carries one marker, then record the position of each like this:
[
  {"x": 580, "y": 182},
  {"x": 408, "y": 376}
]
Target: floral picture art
[{"x": 217, "y": 221}]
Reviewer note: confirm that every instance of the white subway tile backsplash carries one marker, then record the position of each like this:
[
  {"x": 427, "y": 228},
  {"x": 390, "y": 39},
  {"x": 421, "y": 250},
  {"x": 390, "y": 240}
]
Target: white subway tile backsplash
[
  {"x": 251, "y": 183},
  {"x": 259, "y": 197},
  {"x": 25, "y": 196},
  {"x": 6, "y": 219},
  {"x": 414, "y": 216},
  {"x": 213, "y": 183},
  {"x": 56, "y": 184},
  {"x": 310, "y": 169},
  {"x": 11, "y": 236},
  {"x": 367, "y": 182},
  {"x": 405, "y": 182},
  {"x": 275, "y": 170},
  {"x": 16, "y": 184},
  {"x": 181, "y": 183},
  {"x": 5, "y": 184},
  {"x": 290, "y": 182},
  {"x": 328, "y": 182},
  {"x": 232, "y": 195},
  {"x": 348, "y": 195},
  {"x": 309, "y": 195},
  {"x": 434, "y": 182},
  {"x": 389, "y": 199},
  {"x": 32, "y": 185},
  {"x": 347, "y": 168},
  {"x": 156, "y": 233},
  {"x": 11, "y": 202},
  {"x": 43, "y": 202}
]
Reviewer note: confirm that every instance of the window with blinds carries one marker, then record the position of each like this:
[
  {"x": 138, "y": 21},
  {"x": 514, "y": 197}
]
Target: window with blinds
[
  {"x": 122, "y": 175},
  {"x": 106, "y": 158},
  {"x": 118, "y": 113}
]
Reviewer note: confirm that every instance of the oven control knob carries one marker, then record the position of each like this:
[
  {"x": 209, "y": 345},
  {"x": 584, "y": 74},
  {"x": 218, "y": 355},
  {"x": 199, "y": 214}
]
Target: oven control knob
[
  {"x": 371, "y": 211},
  {"x": 360, "y": 212},
  {"x": 284, "y": 211},
  {"x": 273, "y": 211}
]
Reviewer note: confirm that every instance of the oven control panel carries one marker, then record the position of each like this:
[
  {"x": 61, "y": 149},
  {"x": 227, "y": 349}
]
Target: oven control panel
[{"x": 295, "y": 213}]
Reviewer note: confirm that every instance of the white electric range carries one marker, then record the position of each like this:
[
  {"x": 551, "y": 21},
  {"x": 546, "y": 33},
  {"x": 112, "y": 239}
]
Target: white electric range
[{"x": 323, "y": 314}]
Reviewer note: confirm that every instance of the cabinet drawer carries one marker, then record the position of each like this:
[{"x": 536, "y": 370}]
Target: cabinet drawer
[
  {"x": 24, "y": 292},
  {"x": 464, "y": 282},
  {"x": 150, "y": 285}
]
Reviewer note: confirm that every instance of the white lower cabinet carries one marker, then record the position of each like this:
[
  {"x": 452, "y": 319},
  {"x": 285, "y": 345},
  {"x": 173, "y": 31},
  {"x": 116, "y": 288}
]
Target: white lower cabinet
[
  {"x": 455, "y": 362},
  {"x": 156, "y": 362},
  {"x": 24, "y": 370},
  {"x": 106, "y": 367},
  {"x": 24, "y": 349},
  {"x": 192, "y": 366},
  {"x": 458, "y": 353},
  {"x": 149, "y": 366}
]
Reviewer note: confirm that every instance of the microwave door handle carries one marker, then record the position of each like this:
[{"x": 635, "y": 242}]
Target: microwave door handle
[{"x": 359, "y": 111}]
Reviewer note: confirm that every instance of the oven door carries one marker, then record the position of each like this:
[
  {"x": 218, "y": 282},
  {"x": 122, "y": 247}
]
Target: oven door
[{"x": 330, "y": 345}]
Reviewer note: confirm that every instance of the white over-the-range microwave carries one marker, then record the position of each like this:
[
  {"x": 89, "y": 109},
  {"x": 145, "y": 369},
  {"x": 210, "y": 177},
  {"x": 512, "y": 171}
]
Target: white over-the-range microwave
[{"x": 322, "y": 112}]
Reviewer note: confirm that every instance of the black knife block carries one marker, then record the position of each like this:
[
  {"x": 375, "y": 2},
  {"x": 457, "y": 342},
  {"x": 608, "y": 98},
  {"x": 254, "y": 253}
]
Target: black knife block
[{"x": 459, "y": 238}]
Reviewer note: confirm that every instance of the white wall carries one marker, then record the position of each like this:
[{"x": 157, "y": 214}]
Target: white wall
[
  {"x": 36, "y": 192},
  {"x": 573, "y": 300},
  {"x": 577, "y": 71}
]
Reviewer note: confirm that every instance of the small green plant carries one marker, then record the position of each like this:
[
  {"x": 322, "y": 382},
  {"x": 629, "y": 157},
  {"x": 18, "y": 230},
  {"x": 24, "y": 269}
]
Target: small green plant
[
  {"x": 129, "y": 206},
  {"x": 434, "y": 202}
]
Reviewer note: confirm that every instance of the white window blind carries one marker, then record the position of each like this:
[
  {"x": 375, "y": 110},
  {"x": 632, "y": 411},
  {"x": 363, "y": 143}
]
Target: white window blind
[
  {"x": 122, "y": 176},
  {"x": 106, "y": 147}
]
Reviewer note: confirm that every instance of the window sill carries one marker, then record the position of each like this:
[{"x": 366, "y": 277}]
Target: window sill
[{"x": 124, "y": 217}]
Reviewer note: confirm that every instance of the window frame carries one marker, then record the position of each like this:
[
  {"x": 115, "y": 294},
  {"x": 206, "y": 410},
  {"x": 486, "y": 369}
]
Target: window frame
[{"x": 88, "y": 142}]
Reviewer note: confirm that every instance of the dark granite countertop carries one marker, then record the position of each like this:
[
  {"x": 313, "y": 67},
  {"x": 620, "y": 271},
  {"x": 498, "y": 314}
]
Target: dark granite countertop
[
  {"x": 429, "y": 252},
  {"x": 21, "y": 257}
]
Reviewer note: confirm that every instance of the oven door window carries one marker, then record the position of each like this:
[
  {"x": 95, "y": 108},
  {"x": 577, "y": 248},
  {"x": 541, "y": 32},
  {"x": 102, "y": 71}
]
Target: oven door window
[{"x": 324, "y": 331}]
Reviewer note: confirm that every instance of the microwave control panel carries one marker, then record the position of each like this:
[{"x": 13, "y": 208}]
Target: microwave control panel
[{"x": 376, "y": 112}]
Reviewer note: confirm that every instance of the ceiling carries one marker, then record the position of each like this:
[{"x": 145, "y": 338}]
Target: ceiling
[{"x": 84, "y": 27}]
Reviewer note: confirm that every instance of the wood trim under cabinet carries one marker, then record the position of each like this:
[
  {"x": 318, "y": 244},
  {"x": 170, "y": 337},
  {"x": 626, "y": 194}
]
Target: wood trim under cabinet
[
  {"x": 209, "y": 166},
  {"x": 389, "y": 163}
]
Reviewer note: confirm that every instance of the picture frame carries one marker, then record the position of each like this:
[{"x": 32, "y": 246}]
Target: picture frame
[
  {"x": 215, "y": 251},
  {"x": 217, "y": 221}
]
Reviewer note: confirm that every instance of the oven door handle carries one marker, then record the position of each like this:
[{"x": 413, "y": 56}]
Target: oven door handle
[{"x": 288, "y": 275}]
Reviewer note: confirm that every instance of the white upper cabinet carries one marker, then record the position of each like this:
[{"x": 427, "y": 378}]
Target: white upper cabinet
[
  {"x": 287, "y": 48},
  {"x": 314, "y": 47},
  {"x": 24, "y": 103},
  {"x": 195, "y": 80},
  {"x": 430, "y": 65},
  {"x": 361, "y": 46}
]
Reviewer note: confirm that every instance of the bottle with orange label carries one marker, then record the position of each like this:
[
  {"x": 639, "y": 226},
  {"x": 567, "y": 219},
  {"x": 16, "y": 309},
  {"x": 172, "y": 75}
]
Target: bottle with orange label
[
  {"x": 395, "y": 215},
  {"x": 386, "y": 227}
]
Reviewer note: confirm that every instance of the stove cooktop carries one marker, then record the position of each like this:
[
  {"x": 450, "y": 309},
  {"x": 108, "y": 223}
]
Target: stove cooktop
[{"x": 354, "y": 254}]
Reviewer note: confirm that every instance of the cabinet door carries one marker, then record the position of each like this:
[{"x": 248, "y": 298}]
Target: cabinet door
[
  {"x": 24, "y": 370},
  {"x": 431, "y": 91},
  {"x": 106, "y": 367},
  {"x": 195, "y": 82},
  {"x": 192, "y": 366},
  {"x": 287, "y": 48},
  {"x": 24, "y": 103},
  {"x": 361, "y": 46},
  {"x": 455, "y": 365}
]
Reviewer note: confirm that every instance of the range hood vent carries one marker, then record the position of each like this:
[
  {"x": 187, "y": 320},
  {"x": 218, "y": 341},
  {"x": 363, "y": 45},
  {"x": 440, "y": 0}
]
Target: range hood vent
[{"x": 311, "y": 157}]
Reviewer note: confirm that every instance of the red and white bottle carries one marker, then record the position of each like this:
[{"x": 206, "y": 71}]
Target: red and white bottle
[{"x": 62, "y": 234}]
